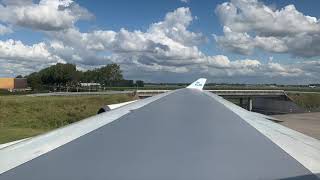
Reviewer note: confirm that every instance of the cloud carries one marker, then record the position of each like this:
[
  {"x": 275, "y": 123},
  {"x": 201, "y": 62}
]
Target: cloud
[
  {"x": 241, "y": 43},
  {"x": 276, "y": 69},
  {"x": 17, "y": 2},
  {"x": 250, "y": 24},
  {"x": 221, "y": 65},
  {"x": 5, "y": 30},
  {"x": 311, "y": 68},
  {"x": 47, "y": 15},
  {"x": 252, "y": 15},
  {"x": 166, "y": 49},
  {"x": 17, "y": 58},
  {"x": 185, "y": 1},
  {"x": 12, "y": 50},
  {"x": 165, "y": 43}
]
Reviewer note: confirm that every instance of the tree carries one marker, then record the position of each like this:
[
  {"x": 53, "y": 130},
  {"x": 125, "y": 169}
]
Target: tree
[
  {"x": 109, "y": 74},
  {"x": 123, "y": 83},
  {"x": 34, "y": 81},
  {"x": 59, "y": 74},
  {"x": 140, "y": 83},
  {"x": 105, "y": 75},
  {"x": 19, "y": 76},
  {"x": 67, "y": 75}
]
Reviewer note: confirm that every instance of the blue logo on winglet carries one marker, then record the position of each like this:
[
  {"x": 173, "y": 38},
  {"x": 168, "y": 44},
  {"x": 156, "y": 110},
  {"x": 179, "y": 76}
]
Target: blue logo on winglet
[{"x": 198, "y": 84}]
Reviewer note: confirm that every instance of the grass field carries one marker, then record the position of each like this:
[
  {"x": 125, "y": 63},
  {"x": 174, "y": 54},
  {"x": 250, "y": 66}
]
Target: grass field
[
  {"x": 309, "y": 101},
  {"x": 173, "y": 87},
  {"x": 220, "y": 87},
  {"x": 22, "y": 116}
]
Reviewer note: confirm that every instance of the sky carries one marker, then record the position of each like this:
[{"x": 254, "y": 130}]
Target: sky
[{"x": 231, "y": 41}]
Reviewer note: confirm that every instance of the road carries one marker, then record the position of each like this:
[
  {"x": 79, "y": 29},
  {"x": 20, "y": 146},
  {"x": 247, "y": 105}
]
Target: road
[
  {"x": 78, "y": 93},
  {"x": 306, "y": 123}
]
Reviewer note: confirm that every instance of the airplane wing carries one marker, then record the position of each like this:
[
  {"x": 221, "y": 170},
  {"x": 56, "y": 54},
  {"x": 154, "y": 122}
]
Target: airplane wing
[{"x": 183, "y": 134}]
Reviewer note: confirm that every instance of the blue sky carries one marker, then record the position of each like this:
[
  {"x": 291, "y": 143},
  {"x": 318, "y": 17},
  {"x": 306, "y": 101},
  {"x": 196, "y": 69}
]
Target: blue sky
[{"x": 237, "y": 41}]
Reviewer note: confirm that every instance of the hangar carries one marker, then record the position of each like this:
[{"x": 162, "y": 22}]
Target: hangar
[{"x": 12, "y": 84}]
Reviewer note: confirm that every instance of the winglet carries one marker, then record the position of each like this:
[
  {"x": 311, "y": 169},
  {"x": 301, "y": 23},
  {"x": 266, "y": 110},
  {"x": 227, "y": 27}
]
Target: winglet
[{"x": 198, "y": 84}]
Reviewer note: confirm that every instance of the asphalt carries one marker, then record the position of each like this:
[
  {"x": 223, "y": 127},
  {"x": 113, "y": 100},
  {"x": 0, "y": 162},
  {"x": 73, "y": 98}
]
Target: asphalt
[
  {"x": 79, "y": 93},
  {"x": 185, "y": 135},
  {"x": 306, "y": 123}
]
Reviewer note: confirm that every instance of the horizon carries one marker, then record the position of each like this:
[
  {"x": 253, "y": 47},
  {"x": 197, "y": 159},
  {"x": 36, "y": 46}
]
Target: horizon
[
  {"x": 172, "y": 41},
  {"x": 178, "y": 83}
]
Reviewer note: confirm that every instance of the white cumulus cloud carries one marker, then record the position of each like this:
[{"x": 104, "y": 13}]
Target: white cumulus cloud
[
  {"x": 47, "y": 15},
  {"x": 250, "y": 24}
]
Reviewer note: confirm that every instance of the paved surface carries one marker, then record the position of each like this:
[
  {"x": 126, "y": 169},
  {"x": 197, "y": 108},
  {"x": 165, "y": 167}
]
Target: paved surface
[
  {"x": 79, "y": 93},
  {"x": 306, "y": 123},
  {"x": 185, "y": 135}
]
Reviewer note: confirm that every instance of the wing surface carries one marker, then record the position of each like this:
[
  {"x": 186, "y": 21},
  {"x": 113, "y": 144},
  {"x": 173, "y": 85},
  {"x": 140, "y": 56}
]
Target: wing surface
[{"x": 183, "y": 134}]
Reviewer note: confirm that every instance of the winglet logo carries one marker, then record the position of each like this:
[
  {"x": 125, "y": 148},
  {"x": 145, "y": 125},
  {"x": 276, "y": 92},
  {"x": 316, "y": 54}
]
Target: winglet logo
[{"x": 198, "y": 84}]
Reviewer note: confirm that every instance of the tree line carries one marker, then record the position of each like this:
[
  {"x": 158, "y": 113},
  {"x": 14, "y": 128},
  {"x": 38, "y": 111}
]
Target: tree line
[{"x": 67, "y": 75}]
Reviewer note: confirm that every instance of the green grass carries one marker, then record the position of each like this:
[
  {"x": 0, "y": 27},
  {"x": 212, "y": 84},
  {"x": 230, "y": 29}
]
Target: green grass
[
  {"x": 22, "y": 116},
  {"x": 220, "y": 87},
  {"x": 11, "y": 134},
  {"x": 173, "y": 87},
  {"x": 309, "y": 101}
]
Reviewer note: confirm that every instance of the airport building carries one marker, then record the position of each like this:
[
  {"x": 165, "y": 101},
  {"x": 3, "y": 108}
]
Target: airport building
[{"x": 12, "y": 84}]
